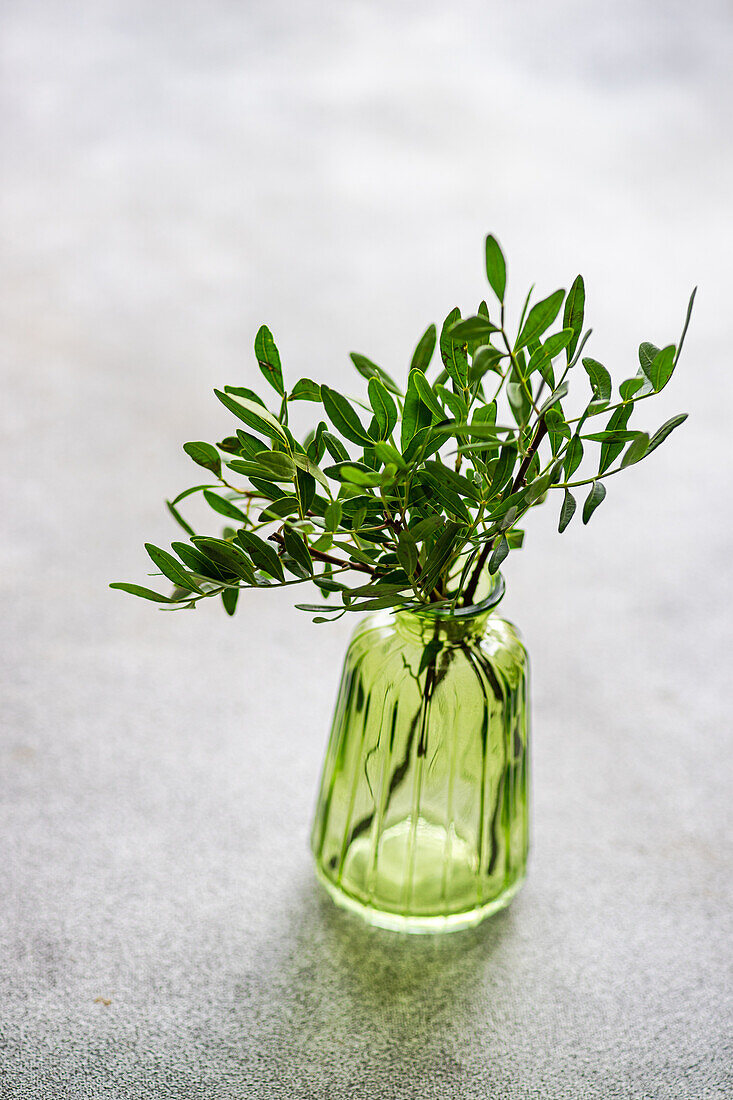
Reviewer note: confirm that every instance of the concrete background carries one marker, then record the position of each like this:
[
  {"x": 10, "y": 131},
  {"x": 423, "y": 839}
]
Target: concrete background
[{"x": 173, "y": 175}]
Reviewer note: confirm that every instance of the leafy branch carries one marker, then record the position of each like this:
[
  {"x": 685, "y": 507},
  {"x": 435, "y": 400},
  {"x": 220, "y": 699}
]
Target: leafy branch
[{"x": 424, "y": 494}]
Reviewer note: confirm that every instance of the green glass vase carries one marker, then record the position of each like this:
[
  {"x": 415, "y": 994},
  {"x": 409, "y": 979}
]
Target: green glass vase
[{"x": 422, "y": 818}]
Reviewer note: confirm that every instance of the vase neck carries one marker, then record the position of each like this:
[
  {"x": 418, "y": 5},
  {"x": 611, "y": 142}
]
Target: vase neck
[{"x": 443, "y": 625}]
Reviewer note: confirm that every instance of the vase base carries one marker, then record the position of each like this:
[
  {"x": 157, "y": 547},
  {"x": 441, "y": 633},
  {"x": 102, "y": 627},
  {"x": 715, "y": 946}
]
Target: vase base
[{"x": 423, "y": 923}]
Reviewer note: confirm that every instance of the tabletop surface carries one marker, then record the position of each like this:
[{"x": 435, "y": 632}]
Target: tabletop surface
[{"x": 174, "y": 175}]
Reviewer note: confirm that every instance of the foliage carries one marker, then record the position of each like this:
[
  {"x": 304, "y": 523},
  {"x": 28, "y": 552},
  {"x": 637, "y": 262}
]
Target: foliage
[{"x": 403, "y": 498}]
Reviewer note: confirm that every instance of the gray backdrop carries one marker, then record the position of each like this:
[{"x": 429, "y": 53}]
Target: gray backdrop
[{"x": 174, "y": 174}]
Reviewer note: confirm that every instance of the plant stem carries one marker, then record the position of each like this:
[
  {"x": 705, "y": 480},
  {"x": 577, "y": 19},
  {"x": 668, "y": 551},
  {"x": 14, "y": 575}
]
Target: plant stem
[{"x": 540, "y": 432}]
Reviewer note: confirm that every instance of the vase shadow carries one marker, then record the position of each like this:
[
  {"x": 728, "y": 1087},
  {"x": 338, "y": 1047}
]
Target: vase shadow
[
  {"x": 363, "y": 1000},
  {"x": 377, "y": 964}
]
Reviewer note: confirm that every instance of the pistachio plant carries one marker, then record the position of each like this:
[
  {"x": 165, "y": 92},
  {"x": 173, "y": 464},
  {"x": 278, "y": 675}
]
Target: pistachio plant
[{"x": 404, "y": 498}]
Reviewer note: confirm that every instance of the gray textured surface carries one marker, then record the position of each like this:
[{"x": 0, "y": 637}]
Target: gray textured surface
[{"x": 175, "y": 173}]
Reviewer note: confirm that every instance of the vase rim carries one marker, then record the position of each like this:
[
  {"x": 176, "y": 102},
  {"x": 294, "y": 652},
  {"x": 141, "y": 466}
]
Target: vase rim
[{"x": 461, "y": 614}]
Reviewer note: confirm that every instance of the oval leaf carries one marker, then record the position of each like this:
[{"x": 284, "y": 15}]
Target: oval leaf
[
  {"x": 567, "y": 511},
  {"x": 268, "y": 358},
  {"x": 426, "y": 394},
  {"x": 170, "y": 568},
  {"x": 453, "y": 352},
  {"x": 495, "y": 267},
  {"x": 305, "y": 390},
  {"x": 344, "y": 418},
  {"x": 256, "y": 416},
  {"x": 573, "y": 315},
  {"x": 540, "y": 318},
  {"x": 262, "y": 554},
  {"x": 385, "y": 410},
  {"x": 594, "y": 498},
  {"x": 367, "y": 369},
  {"x": 666, "y": 429},
  {"x": 139, "y": 590},
  {"x": 499, "y": 553},
  {"x": 204, "y": 454},
  {"x": 423, "y": 353}
]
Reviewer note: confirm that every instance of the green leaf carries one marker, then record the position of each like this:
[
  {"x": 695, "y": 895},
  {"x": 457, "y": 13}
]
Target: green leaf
[
  {"x": 484, "y": 415},
  {"x": 472, "y": 328},
  {"x": 554, "y": 344},
  {"x": 660, "y": 370},
  {"x": 631, "y": 387},
  {"x": 455, "y": 401},
  {"x": 262, "y": 554},
  {"x": 600, "y": 381},
  {"x": 573, "y": 456},
  {"x": 686, "y": 325},
  {"x": 197, "y": 561},
  {"x": 335, "y": 447},
  {"x": 485, "y": 358},
  {"x": 636, "y": 450},
  {"x": 356, "y": 475},
  {"x": 503, "y": 468},
  {"x": 555, "y": 396},
  {"x": 278, "y": 465},
  {"x": 666, "y": 429},
  {"x": 619, "y": 436},
  {"x": 171, "y": 569},
  {"x": 385, "y": 410},
  {"x": 229, "y": 598},
  {"x": 335, "y": 472},
  {"x": 610, "y": 449},
  {"x": 279, "y": 508},
  {"x": 224, "y": 507},
  {"x": 296, "y": 549},
  {"x": 139, "y": 590},
  {"x": 540, "y": 318},
  {"x": 204, "y": 454},
  {"x": 230, "y": 445},
  {"x": 573, "y": 315},
  {"x": 303, "y": 462},
  {"x": 249, "y": 445},
  {"x": 498, "y": 554},
  {"x": 439, "y": 556},
  {"x": 407, "y": 553},
  {"x": 426, "y": 393},
  {"x": 254, "y": 415},
  {"x": 439, "y": 487},
  {"x": 594, "y": 498},
  {"x": 305, "y": 390},
  {"x": 457, "y": 482},
  {"x": 386, "y": 454},
  {"x": 423, "y": 353},
  {"x": 495, "y": 267},
  {"x": 567, "y": 511},
  {"x": 517, "y": 397},
  {"x": 367, "y": 369},
  {"x": 344, "y": 418},
  {"x": 453, "y": 352},
  {"x": 415, "y": 414},
  {"x": 179, "y": 518},
  {"x": 224, "y": 555},
  {"x": 647, "y": 354},
  {"x": 332, "y": 515},
  {"x": 245, "y": 391},
  {"x": 537, "y": 488},
  {"x": 557, "y": 427},
  {"x": 268, "y": 358}
]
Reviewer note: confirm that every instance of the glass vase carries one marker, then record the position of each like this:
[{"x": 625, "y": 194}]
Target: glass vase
[{"x": 422, "y": 818}]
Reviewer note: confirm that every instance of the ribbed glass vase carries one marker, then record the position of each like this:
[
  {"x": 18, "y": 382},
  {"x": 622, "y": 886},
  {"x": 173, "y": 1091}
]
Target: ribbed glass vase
[{"x": 422, "y": 818}]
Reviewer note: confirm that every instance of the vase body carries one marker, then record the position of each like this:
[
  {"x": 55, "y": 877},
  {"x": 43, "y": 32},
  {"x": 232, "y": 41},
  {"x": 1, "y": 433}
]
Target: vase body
[{"x": 422, "y": 818}]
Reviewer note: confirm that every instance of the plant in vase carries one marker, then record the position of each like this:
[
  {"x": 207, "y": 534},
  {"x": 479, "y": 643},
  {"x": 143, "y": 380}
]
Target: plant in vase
[{"x": 403, "y": 503}]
